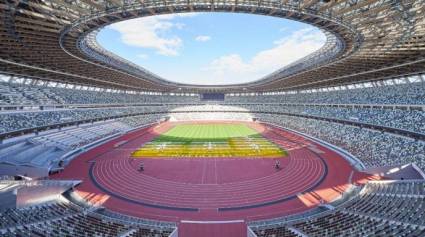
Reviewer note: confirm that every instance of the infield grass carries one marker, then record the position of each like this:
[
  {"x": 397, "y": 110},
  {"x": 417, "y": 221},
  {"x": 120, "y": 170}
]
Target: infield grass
[{"x": 210, "y": 140}]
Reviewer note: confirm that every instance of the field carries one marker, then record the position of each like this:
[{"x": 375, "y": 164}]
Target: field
[{"x": 210, "y": 140}]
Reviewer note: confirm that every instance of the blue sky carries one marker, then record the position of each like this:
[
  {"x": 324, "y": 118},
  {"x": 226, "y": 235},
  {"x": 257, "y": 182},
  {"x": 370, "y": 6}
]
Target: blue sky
[{"x": 211, "y": 48}]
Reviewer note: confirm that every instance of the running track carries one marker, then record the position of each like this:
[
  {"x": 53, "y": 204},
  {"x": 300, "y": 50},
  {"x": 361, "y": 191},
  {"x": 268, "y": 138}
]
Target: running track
[{"x": 177, "y": 189}]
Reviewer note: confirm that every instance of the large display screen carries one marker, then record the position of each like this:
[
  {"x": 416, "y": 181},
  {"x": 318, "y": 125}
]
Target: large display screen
[{"x": 212, "y": 96}]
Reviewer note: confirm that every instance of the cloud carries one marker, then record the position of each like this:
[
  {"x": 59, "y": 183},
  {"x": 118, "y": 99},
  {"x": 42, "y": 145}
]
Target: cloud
[
  {"x": 203, "y": 38},
  {"x": 233, "y": 68},
  {"x": 143, "y": 56},
  {"x": 152, "y": 32},
  {"x": 283, "y": 29}
]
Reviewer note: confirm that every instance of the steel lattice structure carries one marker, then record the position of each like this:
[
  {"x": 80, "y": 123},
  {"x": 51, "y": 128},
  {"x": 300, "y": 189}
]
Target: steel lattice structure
[{"x": 366, "y": 40}]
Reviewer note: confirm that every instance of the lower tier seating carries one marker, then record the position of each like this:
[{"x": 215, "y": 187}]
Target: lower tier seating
[
  {"x": 378, "y": 210},
  {"x": 66, "y": 219}
]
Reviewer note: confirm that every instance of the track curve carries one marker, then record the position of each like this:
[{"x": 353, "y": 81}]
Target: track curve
[{"x": 209, "y": 188}]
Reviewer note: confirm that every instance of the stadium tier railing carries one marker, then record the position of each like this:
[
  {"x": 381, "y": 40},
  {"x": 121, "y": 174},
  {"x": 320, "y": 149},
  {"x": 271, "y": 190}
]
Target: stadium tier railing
[{"x": 11, "y": 107}]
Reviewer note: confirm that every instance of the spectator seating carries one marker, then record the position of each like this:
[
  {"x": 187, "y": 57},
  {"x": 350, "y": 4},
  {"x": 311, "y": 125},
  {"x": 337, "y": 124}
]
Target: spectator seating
[
  {"x": 63, "y": 218},
  {"x": 13, "y": 121},
  {"x": 409, "y": 93},
  {"x": 378, "y": 210},
  {"x": 17, "y": 94},
  {"x": 47, "y": 149},
  {"x": 373, "y": 148},
  {"x": 20, "y": 94},
  {"x": 80, "y": 136},
  {"x": 404, "y": 94}
]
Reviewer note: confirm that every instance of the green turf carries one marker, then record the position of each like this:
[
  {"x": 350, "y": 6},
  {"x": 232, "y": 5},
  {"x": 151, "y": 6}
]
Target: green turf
[
  {"x": 206, "y": 132},
  {"x": 210, "y": 140}
]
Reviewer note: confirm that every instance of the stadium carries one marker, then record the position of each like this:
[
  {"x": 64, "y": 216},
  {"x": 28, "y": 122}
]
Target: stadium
[{"x": 93, "y": 143}]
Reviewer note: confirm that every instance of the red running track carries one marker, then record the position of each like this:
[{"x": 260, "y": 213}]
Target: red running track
[
  {"x": 221, "y": 229},
  {"x": 210, "y": 189}
]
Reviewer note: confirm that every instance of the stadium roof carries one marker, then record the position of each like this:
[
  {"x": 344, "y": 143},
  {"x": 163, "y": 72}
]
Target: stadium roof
[{"x": 366, "y": 40}]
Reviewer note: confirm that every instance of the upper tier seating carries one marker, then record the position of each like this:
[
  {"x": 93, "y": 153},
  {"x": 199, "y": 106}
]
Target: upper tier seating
[
  {"x": 411, "y": 93},
  {"x": 16, "y": 94},
  {"x": 70, "y": 96},
  {"x": 20, "y": 94}
]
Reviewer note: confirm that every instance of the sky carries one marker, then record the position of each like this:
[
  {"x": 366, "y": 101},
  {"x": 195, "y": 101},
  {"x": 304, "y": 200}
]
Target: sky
[{"x": 211, "y": 48}]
